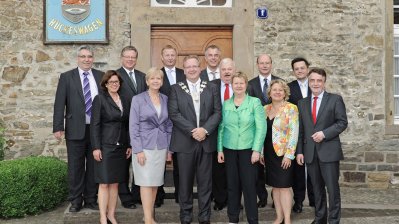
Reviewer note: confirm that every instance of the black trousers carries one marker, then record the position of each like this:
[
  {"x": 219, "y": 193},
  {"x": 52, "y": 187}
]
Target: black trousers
[
  {"x": 175, "y": 175},
  {"x": 82, "y": 186},
  {"x": 325, "y": 174},
  {"x": 219, "y": 181},
  {"x": 261, "y": 183},
  {"x": 301, "y": 182},
  {"x": 241, "y": 174},
  {"x": 197, "y": 164}
]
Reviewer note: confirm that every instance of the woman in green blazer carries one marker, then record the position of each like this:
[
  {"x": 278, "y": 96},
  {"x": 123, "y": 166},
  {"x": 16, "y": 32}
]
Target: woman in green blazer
[{"x": 240, "y": 143}]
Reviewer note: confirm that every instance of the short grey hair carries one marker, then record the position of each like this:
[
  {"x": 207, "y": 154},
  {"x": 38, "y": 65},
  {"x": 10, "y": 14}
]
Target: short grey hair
[
  {"x": 85, "y": 47},
  {"x": 227, "y": 61}
]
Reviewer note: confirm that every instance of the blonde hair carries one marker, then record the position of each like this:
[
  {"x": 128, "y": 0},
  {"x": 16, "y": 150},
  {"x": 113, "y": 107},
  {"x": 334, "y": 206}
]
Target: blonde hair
[
  {"x": 283, "y": 84},
  {"x": 153, "y": 72},
  {"x": 240, "y": 74}
]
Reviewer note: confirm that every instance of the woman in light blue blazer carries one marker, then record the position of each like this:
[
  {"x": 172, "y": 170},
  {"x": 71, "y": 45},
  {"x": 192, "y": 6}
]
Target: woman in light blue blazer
[{"x": 150, "y": 132}]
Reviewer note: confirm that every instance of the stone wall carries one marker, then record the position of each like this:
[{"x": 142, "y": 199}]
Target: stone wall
[
  {"x": 347, "y": 39},
  {"x": 29, "y": 73}
]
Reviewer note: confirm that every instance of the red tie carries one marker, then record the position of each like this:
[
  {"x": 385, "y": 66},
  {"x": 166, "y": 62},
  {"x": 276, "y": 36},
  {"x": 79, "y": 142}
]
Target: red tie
[
  {"x": 227, "y": 92},
  {"x": 314, "y": 115}
]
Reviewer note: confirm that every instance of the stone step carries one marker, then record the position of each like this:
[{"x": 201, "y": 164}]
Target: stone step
[{"x": 169, "y": 213}]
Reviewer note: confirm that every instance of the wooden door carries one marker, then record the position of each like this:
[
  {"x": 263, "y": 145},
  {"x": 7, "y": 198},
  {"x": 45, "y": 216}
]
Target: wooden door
[{"x": 190, "y": 41}]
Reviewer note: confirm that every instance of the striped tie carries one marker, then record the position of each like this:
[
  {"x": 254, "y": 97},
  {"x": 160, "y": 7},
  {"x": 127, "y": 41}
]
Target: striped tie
[{"x": 87, "y": 93}]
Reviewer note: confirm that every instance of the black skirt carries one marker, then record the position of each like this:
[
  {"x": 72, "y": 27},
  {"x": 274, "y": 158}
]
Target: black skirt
[
  {"x": 112, "y": 168},
  {"x": 276, "y": 176}
]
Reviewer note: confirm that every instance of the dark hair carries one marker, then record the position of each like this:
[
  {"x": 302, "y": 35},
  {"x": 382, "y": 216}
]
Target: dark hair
[
  {"x": 107, "y": 76},
  {"x": 130, "y": 48},
  {"x": 295, "y": 60},
  {"x": 319, "y": 71}
]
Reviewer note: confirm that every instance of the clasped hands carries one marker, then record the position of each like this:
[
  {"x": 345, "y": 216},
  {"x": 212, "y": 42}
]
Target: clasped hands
[{"x": 198, "y": 134}]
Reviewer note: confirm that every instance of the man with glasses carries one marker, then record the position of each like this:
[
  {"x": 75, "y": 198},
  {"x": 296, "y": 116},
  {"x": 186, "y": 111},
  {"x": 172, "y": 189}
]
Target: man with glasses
[
  {"x": 72, "y": 111},
  {"x": 257, "y": 87},
  {"x": 195, "y": 110},
  {"x": 133, "y": 84}
]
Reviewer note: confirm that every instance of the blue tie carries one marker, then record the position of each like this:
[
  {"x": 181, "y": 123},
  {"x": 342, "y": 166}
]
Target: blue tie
[
  {"x": 87, "y": 93},
  {"x": 264, "y": 92}
]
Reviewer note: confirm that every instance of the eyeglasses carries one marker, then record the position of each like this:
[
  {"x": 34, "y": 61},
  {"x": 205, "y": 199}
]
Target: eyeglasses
[
  {"x": 130, "y": 57},
  {"x": 113, "y": 82},
  {"x": 190, "y": 67},
  {"x": 86, "y": 56}
]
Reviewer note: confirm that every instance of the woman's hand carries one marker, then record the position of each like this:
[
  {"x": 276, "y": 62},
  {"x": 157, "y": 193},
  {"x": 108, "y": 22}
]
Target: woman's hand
[
  {"x": 169, "y": 157},
  {"x": 97, "y": 155},
  {"x": 128, "y": 153},
  {"x": 220, "y": 157},
  {"x": 286, "y": 163},
  {"x": 255, "y": 157},
  {"x": 141, "y": 158}
]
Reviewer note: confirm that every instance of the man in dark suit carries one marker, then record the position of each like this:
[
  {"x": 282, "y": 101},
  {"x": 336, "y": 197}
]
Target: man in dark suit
[
  {"x": 194, "y": 108},
  {"x": 322, "y": 117},
  {"x": 73, "y": 100},
  {"x": 133, "y": 84},
  {"x": 212, "y": 58},
  {"x": 219, "y": 181},
  {"x": 299, "y": 89},
  {"x": 257, "y": 87},
  {"x": 172, "y": 75}
]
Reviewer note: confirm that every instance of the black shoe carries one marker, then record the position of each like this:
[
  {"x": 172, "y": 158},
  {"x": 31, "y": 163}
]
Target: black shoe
[
  {"x": 219, "y": 207},
  {"x": 92, "y": 205},
  {"x": 129, "y": 206},
  {"x": 184, "y": 222},
  {"x": 157, "y": 204},
  {"x": 75, "y": 208},
  {"x": 262, "y": 203},
  {"x": 109, "y": 221},
  {"x": 205, "y": 222},
  {"x": 314, "y": 222},
  {"x": 297, "y": 208}
]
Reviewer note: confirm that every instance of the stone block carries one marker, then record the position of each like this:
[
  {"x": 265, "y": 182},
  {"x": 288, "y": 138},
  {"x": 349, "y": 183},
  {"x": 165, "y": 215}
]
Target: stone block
[
  {"x": 378, "y": 177},
  {"x": 394, "y": 168},
  {"x": 41, "y": 56},
  {"x": 21, "y": 125},
  {"x": 378, "y": 185},
  {"x": 354, "y": 177},
  {"x": 367, "y": 167},
  {"x": 347, "y": 166},
  {"x": 373, "y": 157},
  {"x": 353, "y": 159},
  {"x": 379, "y": 117},
  {"x": 15, "y": 73},
  {"x": 392, "y": 158}
]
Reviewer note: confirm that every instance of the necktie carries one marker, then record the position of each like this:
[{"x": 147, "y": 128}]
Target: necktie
[
  {"x": 131, "y": 74},
  {"x": 264, "y": 92},
  {"x": 314, "y": 115},
  {"x": 170, "y": 77},
  {"x": 87, "y": 93},
  {"x": 213, "y": 74},
  {"x": 194, "y": 88},
  {"x": 226, "y": 92}
]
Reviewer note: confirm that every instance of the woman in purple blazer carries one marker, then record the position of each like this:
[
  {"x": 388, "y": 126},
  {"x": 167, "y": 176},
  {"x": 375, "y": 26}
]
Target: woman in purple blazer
[{"x": 150, "y": 131}]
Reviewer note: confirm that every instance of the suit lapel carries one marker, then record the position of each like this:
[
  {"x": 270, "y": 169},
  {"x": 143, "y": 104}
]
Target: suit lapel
[
  {"x": 112, "y": 102},
  {"x": 78, "y": 83},
  {"x": 129, "y": 81},
  {"x": 323, "y": 105},
  {"x": 166, "y": 82},
  {"x": 139, "y": 81}
]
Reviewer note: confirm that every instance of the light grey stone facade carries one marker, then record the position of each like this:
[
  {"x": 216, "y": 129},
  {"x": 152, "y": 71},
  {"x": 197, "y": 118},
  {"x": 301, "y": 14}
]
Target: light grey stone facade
[{"x": 352, "y": 40}]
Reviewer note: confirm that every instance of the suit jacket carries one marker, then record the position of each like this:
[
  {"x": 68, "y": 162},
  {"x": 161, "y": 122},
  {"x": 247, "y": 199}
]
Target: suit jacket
[
  {"x": 243, "y": 127},
  {"x": 147, "y": 130},
  {"x": 285, "y": 130},
  {"x": 204, "y": 75},
  {"x": 331, "y": 119},
  {"x": 127, "y": 88},
  {"x": 70, "y": 104},
  {"x": 182, "y": 113},
  {"x": 254, "y": 89},
  {"x": 165, "y": 88},
  {"x": 295, "y": 92},
  {"x": 109, "y": 124}
]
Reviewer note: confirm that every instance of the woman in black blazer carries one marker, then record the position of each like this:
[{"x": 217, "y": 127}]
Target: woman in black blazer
[{"x": 110, "y": 142}]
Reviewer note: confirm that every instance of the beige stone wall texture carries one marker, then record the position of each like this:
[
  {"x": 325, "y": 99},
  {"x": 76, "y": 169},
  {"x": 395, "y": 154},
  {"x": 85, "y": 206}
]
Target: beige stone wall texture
[
  {"x": 344, "y": 37},
  {"x": 29, "y": 72},
  {"x": 347, "y": 39}
]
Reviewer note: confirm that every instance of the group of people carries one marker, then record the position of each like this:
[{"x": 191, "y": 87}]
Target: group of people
[{"x": 231, "y": 134}]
